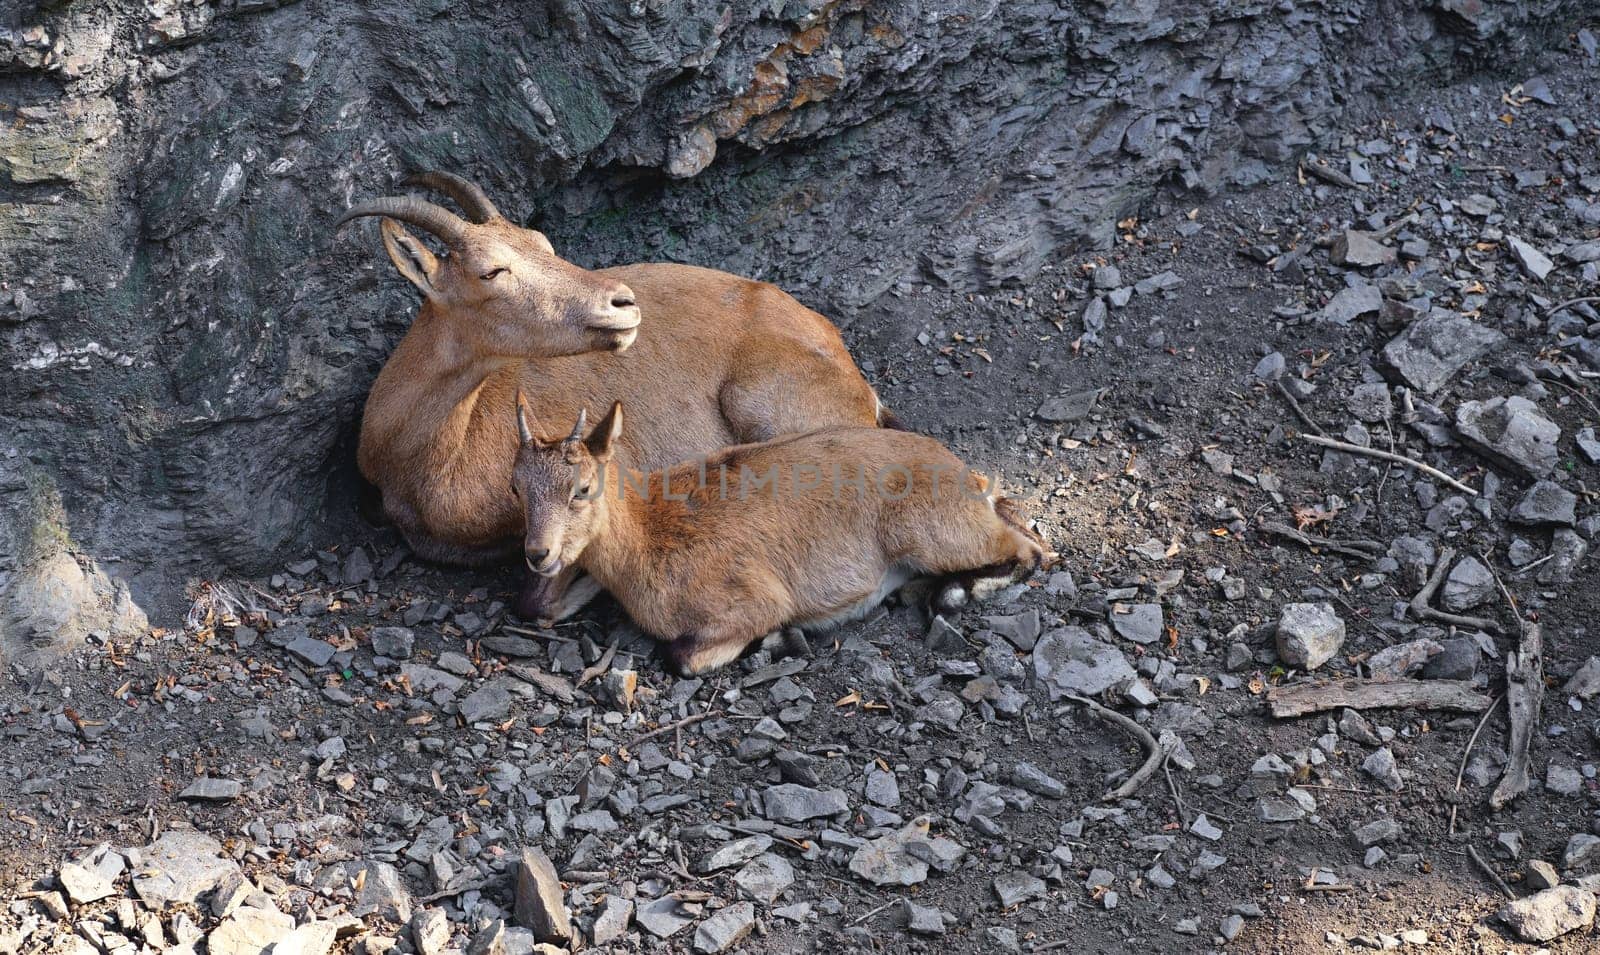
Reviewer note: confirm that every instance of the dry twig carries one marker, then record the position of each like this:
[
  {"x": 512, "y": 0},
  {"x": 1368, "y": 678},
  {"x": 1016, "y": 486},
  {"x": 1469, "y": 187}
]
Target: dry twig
[
  {"x": 1488, "y": 871},
  {"x": 1360, "y": 549},
  {"x": 671, "y": 727},
  {"x": 1382, "y": 455},
  {"x": 1299, "y": 412},
  {"x": 1471, "y": 740},
  {"x": 1152, "y": 759},
  {"x": 1420, "y": 603}
]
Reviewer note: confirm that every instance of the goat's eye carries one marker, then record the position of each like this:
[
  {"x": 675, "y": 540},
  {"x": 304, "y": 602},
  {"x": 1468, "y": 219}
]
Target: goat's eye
[
  {"x": 492, "y": 273},
  {"x": 583, "y": 492}
]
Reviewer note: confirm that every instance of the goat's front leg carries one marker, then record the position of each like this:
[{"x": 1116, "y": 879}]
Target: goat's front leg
[{"x": 546, "y": 600}]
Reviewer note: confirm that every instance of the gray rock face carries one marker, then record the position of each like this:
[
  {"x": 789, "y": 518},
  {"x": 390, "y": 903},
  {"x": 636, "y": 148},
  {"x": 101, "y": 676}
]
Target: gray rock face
[
  {"x": 138, "y": 172},
  {"x": 1309, "y": 635},
  {"x": 1350, "y": 304},
  {"x": 1511, "y": 431},
  {"x": 1430, "y": 352},
  {"x": 1071, "y": 660},
  {"x": 1549, "y": 914}
]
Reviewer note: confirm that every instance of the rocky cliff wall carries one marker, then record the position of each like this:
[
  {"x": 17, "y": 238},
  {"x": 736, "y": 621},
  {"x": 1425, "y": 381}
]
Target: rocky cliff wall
[{"x": 184, "y": 346}]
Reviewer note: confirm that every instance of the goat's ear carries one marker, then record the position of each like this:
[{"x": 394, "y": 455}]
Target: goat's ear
[
  {"x": 605, "y": 433},
  {"x": 414, "y": 260}
]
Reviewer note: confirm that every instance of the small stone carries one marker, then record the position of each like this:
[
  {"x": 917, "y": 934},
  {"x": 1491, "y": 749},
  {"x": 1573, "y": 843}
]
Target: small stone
[
  {"x": 944, "y": 638},
  {"x": 249, "y": 931},
  {"x": 1071, "y": 660},
  {"x": 1371, "y": 402},
  {"x": 789, "y": 803},
  {"x": 1533, "y": 262},
  {"x": 207, "y": 789},
  {"x": 540, "y": 903},
  {"x": 1021, "y": 630},
  {"x": 1458, "y": 660},
  {"x": 82, "y": 884},
  {"x": 1430, "y": 352},
  {"x": 765, "y": 878},
  {"x": 1205, "y": 828},
  {"x": 383, "y": 893},
  {"x": 612, "y": 919},
  {"x": 1309, "y": 635},
  {"x": 310, "y": 649},
  {"x": 1354, "y": 726},
  {"x": 1582, "y": 849},
  {"x": 727, "y": 928},
  {"x": 1382, "y": 767},
  {"x": 1271, "y": 368},
  {"x": 1509, "y": 844},
  {"x": 1512, "y": 431},
  {"x": 1546, "y": 503},
  {"x": 430, "y": 931},
  {"x": 1588, "y": 445},
  {"x": 1469, "y": 585},
  {"x": 734, "y": 853},
  {"x": 180, "y": 867},
  {"x": 1549, "y": 914},
  {"x": 1350, "y": 304},
  {"x": 1015, "y": 887},
  {"x": 1563, "y": 780},
  {"x": 1376, "y": 832},
  {"x": 1402, "y": 659},
  {"x": 1035, "y": 780},
  {"x": 663, "y": 917},
  {"x": 921, "y": 919},
  {"x": 1542, "y": 875},
  {"x": 1231, "y": 926},
  {"x": 396, "y": 643},
  {"x": 1585, "y": 683},
  {"x": 487, "y": 704},
  {"x": 1140, "y": 623},
  {"x": 1069, "y": 408},
  {"x": 1360, "y": 250}
]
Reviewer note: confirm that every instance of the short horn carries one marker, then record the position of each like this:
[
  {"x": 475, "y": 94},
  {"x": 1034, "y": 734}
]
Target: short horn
[
  {"x": 424, "y": 215},
  {"x": 466, "y": 194},
  {"x": 523, "y": 431},
  {"x": 579, "y": 429}
]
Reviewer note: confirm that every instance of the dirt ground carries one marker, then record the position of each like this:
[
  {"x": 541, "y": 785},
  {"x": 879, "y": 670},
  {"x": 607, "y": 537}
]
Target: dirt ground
[{"x": 97, "y": 750}]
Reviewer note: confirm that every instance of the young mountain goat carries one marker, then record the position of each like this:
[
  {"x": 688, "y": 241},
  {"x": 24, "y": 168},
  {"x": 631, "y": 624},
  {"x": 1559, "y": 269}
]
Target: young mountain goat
[
  {"x": 807, "y": 530},
  {"x": 717, "y": 360}
]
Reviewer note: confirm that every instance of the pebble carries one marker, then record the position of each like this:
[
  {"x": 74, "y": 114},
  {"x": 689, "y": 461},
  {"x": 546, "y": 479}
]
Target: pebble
[
  {"x": 1205, "y": 828},
  {"x": 487, "y": 704},
  {"x": 1430, "y": 352},
  {"x": 1309, "y": 635},
  {"x": 540, "y": 902},
  {"x": 1231, "y": 926},
  {"x": 1382, "y": 767},
  {"x": 1015, "y": 887},
  {"x": 724, "y": 930},
  {"x": 790, "y": 803},
  {"x": 1469, "y": 585},
  {"x": 1035, "y": 780},
  {"x": 612, "y": 917},
  {"x": 82, "y": 884},
  {"x": 249, "y": 931},
  {"x": 1071, "y": 660},
  {"x": 311, "y": 650},
  {"x": 207, "y": 789},
  {"x": 1140, "y": 623},
  {"x": 396, "y": 643},
  {"x": 1376, "y": 832},
  {"x": 663, "y": 917},
  {"x": 1511, "y": 430},
  {"x": 921, "y": 919},
  {"x": 1546, "y": 503},
  {"x": 765, "y": 877},
  {"x": 1549, "y": 914},
  {"x": 180, "y": 867},
  {"x": 1563, "y": 780},
  {"x": 734, "y": 853},
  {"x": 1542, "y": 875},
  {"x": 1533, "y": 261},
  {"x": 1581, "y": 850}
]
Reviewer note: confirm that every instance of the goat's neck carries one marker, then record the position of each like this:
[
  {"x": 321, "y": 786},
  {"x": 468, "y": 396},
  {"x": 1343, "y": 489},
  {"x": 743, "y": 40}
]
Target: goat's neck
[
  {"x": 620, "y": 548},
  {"x": 461, "y": 370}
]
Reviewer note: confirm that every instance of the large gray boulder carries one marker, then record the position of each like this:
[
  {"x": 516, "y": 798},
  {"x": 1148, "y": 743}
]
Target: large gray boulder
[{"x": 185, "y": 347}]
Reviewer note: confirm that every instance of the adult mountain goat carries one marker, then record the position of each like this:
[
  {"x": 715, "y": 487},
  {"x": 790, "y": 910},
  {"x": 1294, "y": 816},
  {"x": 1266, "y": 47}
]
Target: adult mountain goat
[{"x": 708, "y": 359}]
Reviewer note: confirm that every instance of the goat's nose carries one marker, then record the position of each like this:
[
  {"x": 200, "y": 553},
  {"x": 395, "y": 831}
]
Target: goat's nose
[
  {"x": 536, "y": 557},
  {"x": 622, "y": 297}
]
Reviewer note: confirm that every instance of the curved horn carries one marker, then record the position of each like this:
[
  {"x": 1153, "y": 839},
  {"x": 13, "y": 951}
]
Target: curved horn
[
  {"x": 523, "y": 431},
  {"x": 424, "y": 215},
  {"x": 467, "y": 195},
  {"x": 581, "y": 427}
]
